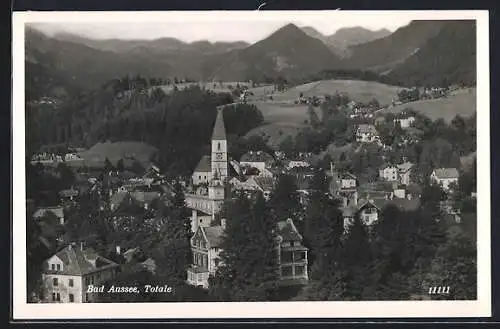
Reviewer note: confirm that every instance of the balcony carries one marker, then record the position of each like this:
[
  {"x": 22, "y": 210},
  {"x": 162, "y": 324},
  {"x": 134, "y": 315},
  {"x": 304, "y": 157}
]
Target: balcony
[{"x": 197, "y": 276}]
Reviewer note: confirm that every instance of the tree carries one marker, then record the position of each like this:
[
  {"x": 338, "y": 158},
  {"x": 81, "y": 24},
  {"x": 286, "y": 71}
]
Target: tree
[
  {"x": 174, "y": 253},
  {"x": 284, "y": 200},
  {"x": 67, "y": 177},
  {"x": 120, "y": 166},
  {"x": 248, "y": 270},
  {"x": 357, "y": 258}
]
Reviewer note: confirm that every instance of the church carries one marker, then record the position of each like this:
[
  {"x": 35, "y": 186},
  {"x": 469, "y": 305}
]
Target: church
[{"x": 209, "y": 179}]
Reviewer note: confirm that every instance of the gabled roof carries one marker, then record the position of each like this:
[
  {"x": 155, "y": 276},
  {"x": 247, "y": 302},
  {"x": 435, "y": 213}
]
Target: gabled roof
[
  {"x": 205, "y": 164},
  {"x": 443, "y": 173},
  {"x": 68, "y": 193},
  {"x": 288, "y": 231},
  {"x": 405, "y": 204},
  {"x": 214, "y": 235},
  {"x": 57, "y": 211},
  {"x": 404, "y": 167},
  {"x": 219, "y": 132},
  {"x": 80, "y": 262},
  {"x": 256, "y": 156},
  {"x": 366, "y": 129}
]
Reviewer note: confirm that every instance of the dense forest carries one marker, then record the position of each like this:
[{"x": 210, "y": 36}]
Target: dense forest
[{"x": 178, "y": 124}]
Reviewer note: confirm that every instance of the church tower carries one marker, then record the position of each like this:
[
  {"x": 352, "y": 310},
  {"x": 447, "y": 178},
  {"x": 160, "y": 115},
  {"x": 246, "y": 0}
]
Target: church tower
[{"x": 219, "y": 148}]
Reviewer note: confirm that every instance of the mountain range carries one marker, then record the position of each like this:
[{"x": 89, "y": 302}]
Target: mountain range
[{"x": 422, "y": 51}]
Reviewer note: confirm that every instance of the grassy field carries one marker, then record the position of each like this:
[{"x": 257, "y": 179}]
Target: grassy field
[
  {"x": 213, "y": 86},
  {"x": 361, "y": 91},
  {"x": 461, "y": 102},
  {"x": 276, "y": 132},
  {"x": 98, "y": 153}
]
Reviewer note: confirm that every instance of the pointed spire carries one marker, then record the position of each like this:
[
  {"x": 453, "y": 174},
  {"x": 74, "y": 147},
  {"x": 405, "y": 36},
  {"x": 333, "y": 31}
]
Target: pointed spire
[{"x": 219, "y": 129}]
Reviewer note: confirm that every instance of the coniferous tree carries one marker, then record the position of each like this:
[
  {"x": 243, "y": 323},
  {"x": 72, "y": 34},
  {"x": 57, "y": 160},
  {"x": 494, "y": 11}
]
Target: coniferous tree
[
  {"x": 357, "y": 257},
  {"x": 248, "y": 270},
  {"x": 285, "y": 200},
  {"x": 174, "y": 252}
]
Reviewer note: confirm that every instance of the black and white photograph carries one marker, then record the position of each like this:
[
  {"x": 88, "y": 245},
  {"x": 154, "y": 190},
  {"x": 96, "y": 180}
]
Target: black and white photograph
[{"x": 291, "y": 163}]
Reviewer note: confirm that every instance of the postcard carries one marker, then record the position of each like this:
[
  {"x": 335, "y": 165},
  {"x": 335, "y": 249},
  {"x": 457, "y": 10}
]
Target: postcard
[{"x": 251, "y": 164}]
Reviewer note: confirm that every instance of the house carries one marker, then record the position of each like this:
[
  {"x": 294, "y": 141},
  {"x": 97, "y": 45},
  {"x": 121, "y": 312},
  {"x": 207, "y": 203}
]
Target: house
[
  {"x": 69, "y": 194},
  {"x": 388, "y": 173},
  {"x": 347, "y": 180},
  {"x": 67, "y": 275},
  {"x": 44, "y": 211},
  {"x": 257, "y": 159},
  {"x": 369, "y": 211},
  {"x": 296, "y": 163},
  {"x": 367, "y": 133},
  {"x": 72, "y": 157},
  {"x": 203, "y": 171},
  {"x": 292, "y": 257},
  {"x": 404, "y": 171},
  {"x": 445, "y": 177},
  {"x": 205, "y": 248},
  {"x": 404, "y": 120}
]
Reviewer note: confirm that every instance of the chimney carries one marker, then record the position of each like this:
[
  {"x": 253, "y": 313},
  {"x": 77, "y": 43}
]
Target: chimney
[
  {"x": 355, "y": 198},
  {"x": 223, "y": 223},
  {"x": 118, "y": 250},
  {"x": 194, "y": 220}
]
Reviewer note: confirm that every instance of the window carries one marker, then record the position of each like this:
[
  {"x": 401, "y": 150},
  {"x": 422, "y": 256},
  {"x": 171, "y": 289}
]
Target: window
[
  {"x": 71, "y": 282},
  {"x": 53, "y": 296},
  {"x": 199, "y": 176},
  {"x": 71, "y": 298},
  {"x": 87, "y": 281},
  {"x": 216, "y": 261},
  {"x": 218, "y": 146},
  {"x": 286, "y": 256},
  {"x": 216, "y": 249},
  {"x": 58, "y": 267},
  {"x": 58, "y": 297},
  {"x": 286, "y": 271},
  {"x": 53, "y": 267},
  {"x": 86, "y": 297},
  {"x": 55, "y": 282},
  {"x": 299, "y": 270},
  {"x": 92, "y": 280}
]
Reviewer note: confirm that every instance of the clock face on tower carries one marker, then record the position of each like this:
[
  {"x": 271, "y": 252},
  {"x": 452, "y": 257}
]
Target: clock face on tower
[{"x": 218, "y": 156}]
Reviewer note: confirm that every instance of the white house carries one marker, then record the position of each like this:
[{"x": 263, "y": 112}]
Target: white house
[
  {"x": 405, "y": 122},
  {"x": 58, "y": 212},
  {"x": 205, "y": 248},
  {"x": 404, "y": 171},
  {"x": 388, "y": 173},
  {"x": 445, "y": 177},
  {"x": 367, "y": 134},
  {"x": 257, "y": 159},
  {"x": 67, "y": 275}
]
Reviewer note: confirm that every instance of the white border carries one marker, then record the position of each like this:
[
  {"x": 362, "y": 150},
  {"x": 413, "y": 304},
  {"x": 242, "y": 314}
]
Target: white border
[{"x": 373, "y": 309}]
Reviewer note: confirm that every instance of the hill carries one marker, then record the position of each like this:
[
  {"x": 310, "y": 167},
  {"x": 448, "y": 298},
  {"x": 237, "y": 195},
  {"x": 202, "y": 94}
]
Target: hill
[
  {"x": 85, "y": 66},
  {"x": 158, "y": 47},
  {"x": 461, "y": 102},
  {"x": 360, "y": 91},
  {"x": 385, "y": 53},
  {"x": 342, "y": 39},
  {"x": 97, "y": 154},
  {"x": 351, "y": 36},
  {"x": 450, "y": 56},
  {"x": 288, "y": 52}
]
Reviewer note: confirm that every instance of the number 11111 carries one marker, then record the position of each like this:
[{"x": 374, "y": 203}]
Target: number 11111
[{"x": 439, "y": 290}]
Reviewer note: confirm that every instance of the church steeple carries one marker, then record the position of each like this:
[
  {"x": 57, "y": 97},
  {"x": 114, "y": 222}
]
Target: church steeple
[
  {"x": 219, "y": 129},
  {"x": 219, "y": 148}
]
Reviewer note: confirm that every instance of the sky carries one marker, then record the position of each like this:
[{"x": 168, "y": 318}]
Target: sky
[{"x": 249, "y": 26}]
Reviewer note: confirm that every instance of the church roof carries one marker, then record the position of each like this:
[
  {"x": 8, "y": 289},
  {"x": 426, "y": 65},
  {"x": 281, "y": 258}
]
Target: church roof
[
  {"x": 205, "y": 164},
  {"x": 219, "y": 129}
]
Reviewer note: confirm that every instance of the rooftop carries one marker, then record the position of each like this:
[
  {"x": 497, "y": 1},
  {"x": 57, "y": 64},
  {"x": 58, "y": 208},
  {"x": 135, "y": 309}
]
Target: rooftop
[
  {"x": 288, "y": 231},
  {"x": 366, "y": 129},
  {"x": 214, "y": 235},
  {"x": 80, "y": 262},
  {"x": 219, "y": 129},
  {"x": 205, "y": 164},
  {"x": 443, "y": 173}
]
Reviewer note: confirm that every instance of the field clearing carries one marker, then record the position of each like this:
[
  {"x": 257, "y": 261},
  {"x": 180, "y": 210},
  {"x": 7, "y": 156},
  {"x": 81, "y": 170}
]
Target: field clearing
[
  {"x": 458, "y": 103},
  {"x": 98, "y": 153},
  {"x": 275, "y": 112},
  {"x": 357, "y": 90},
  {"x": 276, "y": 132},
  {"x": 212, "y": 86}
]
